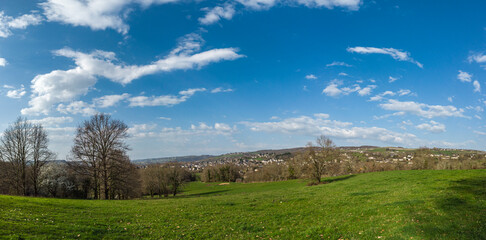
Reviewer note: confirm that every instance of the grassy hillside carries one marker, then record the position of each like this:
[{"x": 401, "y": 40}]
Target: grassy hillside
[{"x": 382, "y": 205}]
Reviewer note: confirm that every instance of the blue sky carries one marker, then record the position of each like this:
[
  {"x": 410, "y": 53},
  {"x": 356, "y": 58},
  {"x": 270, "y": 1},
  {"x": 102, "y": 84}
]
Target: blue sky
[{"x": 210, "y": 77}]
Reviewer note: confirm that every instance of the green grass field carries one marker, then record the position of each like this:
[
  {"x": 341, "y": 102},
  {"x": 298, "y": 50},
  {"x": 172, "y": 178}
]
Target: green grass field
[{"x": 383, "y": 205}]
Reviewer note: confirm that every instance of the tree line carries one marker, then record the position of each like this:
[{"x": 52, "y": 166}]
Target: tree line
[{"x": 98, "y": 166}]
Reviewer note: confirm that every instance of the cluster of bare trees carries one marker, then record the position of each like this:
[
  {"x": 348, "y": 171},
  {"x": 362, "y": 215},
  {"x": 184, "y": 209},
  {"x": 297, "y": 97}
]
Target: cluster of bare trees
[
  {"x": 99, "y": 168},
  {"x": 165, "y": 179},
  {"x": 23, "y": 153},
  {"x": 221, "y": 173},
  {"x": 100, "y": 157}
]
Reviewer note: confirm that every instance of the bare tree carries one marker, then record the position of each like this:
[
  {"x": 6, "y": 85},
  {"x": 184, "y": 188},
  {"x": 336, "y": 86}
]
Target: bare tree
[
  {"x": 98, "y": 143},
  {"x": 15, "y": 149},
  {"x": 40, "y": 154},
  {"x": 175, "y": 177},
  {"x": 325, "y": 154}
]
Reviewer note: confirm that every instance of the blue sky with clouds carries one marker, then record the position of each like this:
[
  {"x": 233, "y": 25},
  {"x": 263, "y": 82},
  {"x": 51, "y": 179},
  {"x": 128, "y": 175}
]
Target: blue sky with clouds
[{"x": 209, "y": 77}]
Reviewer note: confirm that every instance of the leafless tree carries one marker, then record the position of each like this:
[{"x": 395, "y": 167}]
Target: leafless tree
[
  {"x": 15, "y": 149},
  {"x": 40, "y": 154},
  {"x": 98, "y": 143},
  {"x": 321, "y": 156}
]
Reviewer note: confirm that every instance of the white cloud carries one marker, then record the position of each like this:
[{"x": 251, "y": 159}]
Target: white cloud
[
  {"x": 309, "y": 126},
  {"x": 96, "y": 14},
  {"x": 381, "y": 96},
  {"x": 52, "y": 121},
  {"x": 215, "y": 14},
  {"x": 165, "y": 100},
  {"x": 480, "y": 133},
  {"x": 3, "y": 62},
  {"x": 77, "y": 107},
  {"x": 220, "y": 89},
  {"x": 366, "y": 90},
  {"x": 7, "y": 23},
  {"x": 422, "y": 109},
  {"x": 258, "y": 4},
  {"x": 65, "y": 85},
  {"x": 394, "y": 53},
  {"x": 352, "y": 5},
  {"x": 432, "y": 126},
  {"x": 464, "y": 76},
  {"x": 333, "y": 89},
  {"x": 321, "y": 115},
  {"x": 450, "y": 99},
  {"x": 478, "y": 58},
  {"x": 110, "y": 100},
  {"x": 16, "y": 93},
  {"x": 172, "y": 134},
  {"x": 392, "y": 79},
  {"x": 165, "y": 118},
  {"x": 477, "y": 86},
  {"x": 310, "y": 76},
  {"x": 343, "y": 74},
  {"x": 338, "y": 64}
]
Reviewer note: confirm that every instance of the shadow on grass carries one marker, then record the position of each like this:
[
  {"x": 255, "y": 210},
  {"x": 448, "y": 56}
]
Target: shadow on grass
[
  {"x": 218, "y": 192},
  {"x": 458, "y": 213},
  {"x": 339, "y": 178}
]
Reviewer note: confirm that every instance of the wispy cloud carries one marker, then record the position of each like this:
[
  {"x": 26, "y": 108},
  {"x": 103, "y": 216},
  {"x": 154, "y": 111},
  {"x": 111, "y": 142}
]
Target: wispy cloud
[
  {"x": 213, "y": 15},
  {"x": 165, "y": 100},
  {"x": 394, "y": 53},
  {"x": 338, "y": 64},
  {"x": 65, "y": 85}
]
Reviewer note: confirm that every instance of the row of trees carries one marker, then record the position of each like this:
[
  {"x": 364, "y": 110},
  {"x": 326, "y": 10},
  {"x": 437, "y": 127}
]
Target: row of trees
[
  {"x": 165, "y": 179},
  {"x": 99, "y": 166}
]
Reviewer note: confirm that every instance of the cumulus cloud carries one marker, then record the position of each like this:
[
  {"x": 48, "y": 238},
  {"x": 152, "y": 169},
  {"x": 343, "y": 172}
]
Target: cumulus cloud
[
  {"x": 3, "y": 62},
  {"x": 464, "y": 76},
  {"x": 432, "y": 126},
  {"x": 65, "y": 85},
  {"x": 165, "y": 100},
  {"x": 310, "y": 76},
  {"x": 7, "y": 23},
  {"x": 309, "y": 126},
  {"x": 213, "y": 15},
  {"x": 422, "y": 109},
  {"x": 96, "y": 14},
  {"x": 16, "y": 93},
  {"x": 338, "y": 64},
  {"x": 394, "y": 53}
]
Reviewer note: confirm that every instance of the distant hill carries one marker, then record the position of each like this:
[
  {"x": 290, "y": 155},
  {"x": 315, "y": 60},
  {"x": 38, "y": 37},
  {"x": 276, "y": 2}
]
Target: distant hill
[{"x": 171, "y": 159}]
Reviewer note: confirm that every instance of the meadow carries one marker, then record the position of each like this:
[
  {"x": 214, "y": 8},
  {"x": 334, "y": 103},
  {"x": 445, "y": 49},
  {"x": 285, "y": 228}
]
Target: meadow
[{"x": 418, "y": 204}]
